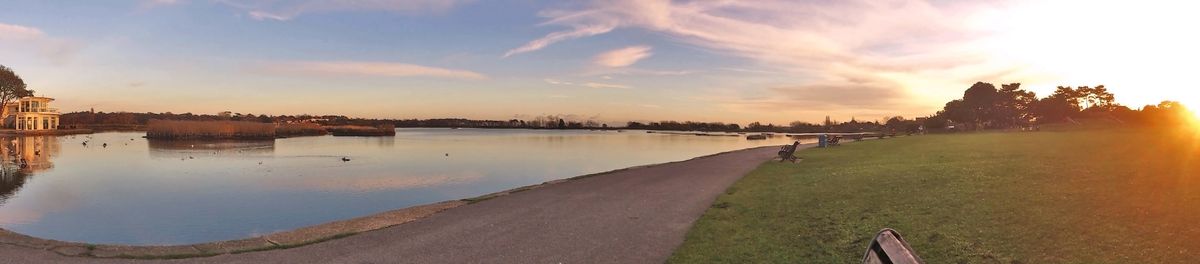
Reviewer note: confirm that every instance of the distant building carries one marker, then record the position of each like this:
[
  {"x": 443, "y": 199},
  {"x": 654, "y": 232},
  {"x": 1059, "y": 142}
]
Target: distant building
[{"x": 31, "y": 113}]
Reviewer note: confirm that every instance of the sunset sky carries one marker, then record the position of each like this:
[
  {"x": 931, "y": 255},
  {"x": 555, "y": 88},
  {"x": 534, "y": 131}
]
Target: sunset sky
[{"x": 731, "y": 61}]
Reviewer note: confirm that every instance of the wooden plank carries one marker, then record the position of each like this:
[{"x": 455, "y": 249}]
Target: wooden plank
[{"x": 896, "y": 250}]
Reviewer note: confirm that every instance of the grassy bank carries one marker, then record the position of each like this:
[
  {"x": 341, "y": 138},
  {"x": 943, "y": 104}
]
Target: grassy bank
[{"x": 1117, "y": 196}]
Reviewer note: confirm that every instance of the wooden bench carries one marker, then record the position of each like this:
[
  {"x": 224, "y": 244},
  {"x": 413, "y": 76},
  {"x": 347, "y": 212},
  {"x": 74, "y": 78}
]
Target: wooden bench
[
  {"x": 889, "y": 247},
  {"x": 835, "y": 140},
  {"x": 788, "y": 152}
]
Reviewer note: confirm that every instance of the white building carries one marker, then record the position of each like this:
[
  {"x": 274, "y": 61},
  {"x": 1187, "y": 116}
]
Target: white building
[{"x": 31, "y": 113}]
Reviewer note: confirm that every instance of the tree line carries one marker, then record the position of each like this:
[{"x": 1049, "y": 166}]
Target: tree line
[
  {"x": 102, "y": 119},
  {"x": 983, "y": 106}
]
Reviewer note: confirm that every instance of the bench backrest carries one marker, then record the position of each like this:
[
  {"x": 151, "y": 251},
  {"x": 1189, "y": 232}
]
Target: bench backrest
[
  {"x": 889, "y": 247},
  {"x": 789, "y": 150}
]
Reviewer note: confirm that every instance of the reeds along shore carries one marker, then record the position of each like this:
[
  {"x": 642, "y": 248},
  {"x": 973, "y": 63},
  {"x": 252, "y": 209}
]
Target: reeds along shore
[
  {"x": 170, "y": 129},
  {"x": 299, "y": 130},
  {"x": 363, "y": 131}
]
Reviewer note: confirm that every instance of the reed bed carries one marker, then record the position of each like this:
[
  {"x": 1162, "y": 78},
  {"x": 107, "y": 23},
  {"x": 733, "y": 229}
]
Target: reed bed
[
  {"x": 363, "y": 131},
  {"x": 299, "y": 130},
  {"x": 172, "y": 129}
]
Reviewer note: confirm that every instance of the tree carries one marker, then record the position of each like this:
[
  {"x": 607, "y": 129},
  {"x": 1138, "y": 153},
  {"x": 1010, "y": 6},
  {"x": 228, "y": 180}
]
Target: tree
[
  {"x": 956, "y": 111},
  {"x": 1169, "y": 113},
  {"x": 1062, "y": 104},
  {"x": 1098, "y": 98},
  {"x": 12, "y": 87},
  {"x": 1013, "y": 107},
  {"x": 936, "y": 122},
  {"x": 981, "y": 99}
]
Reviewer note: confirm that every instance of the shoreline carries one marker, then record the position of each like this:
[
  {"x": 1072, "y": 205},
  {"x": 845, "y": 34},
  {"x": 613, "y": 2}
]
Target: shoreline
[
  {"x": 49, "y": 132},
  {"x": 292, "y": 238}
]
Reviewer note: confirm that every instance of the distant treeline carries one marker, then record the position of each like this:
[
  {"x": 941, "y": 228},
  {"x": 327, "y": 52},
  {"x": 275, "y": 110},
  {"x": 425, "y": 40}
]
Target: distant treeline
[
  {"x": 90, "y": 118},
  {"x": 793, "y": 127},
  {"x": 126, "y": 119},
  {"x": 983, "y": 106}
]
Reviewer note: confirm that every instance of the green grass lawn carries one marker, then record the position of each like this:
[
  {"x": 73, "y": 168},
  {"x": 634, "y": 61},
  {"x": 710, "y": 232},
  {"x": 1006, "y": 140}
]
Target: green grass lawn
[{"x": 1111, "y": 196}]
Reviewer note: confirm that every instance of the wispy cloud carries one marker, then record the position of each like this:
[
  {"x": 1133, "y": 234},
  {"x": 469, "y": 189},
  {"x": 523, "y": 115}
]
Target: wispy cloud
[
  {"x": 622, "y": 57},
  {"x": 838, "y": 44},
  {"x": 605, "y": 72},
  {"x": 57, "y": 50},
  {"x": 588, "y": 84},
  {"x": 606, "y": 85},
  {"x": 283, "y": 10},
  {"x": 147, "y": 4},
  {"x": 361, "y": 68},
  {"x": 260, "y": 15},
  {"x": 17, "y": 32},
  {"x": 749, "y": 70},
  {"x": 577, "y": 32},
  {"x": 557, "y": 82}
]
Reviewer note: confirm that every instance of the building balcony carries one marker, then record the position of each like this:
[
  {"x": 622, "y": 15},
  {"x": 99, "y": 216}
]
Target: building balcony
[{"x": 40, "y": 110}]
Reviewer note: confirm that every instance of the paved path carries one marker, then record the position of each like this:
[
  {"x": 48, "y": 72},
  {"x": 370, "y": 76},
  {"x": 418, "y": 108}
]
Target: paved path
[{"x": 639, "y": 215}]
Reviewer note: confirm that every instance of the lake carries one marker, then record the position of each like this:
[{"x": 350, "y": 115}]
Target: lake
[{"x": 139, "y": 192}]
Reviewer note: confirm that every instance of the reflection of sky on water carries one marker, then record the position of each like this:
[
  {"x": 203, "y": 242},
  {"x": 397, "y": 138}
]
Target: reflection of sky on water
[{"x": 136, "y": 191}]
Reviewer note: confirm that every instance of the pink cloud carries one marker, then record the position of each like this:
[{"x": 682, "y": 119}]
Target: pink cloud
[
  {"x": 18, "y": 32},
  {"x": 57, "y": 50},
  {"x": 283, "y": 10},
  {"x": 623, "y": 57}
]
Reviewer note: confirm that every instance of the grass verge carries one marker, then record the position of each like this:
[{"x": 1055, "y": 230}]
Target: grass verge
[{"x": 1108, "y": 196}]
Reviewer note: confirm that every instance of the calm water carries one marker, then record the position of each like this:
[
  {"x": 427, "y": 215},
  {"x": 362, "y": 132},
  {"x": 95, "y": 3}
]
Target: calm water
[{"x": 136, "y": 191}]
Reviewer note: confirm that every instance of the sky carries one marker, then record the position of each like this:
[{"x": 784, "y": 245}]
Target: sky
[{"x": 611, "y": 61}]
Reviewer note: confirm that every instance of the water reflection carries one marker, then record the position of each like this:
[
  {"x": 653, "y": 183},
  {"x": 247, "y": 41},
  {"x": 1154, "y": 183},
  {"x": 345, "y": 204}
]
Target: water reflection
[
  {"x": 374, "y": 183},
  {"x": 20, "y": 158},
  {"x": 122, "y": 188},
  {"x": 11, "y": 180},
  {"x": 176, "y": 148},
  {"x": 30, "y": 154}
]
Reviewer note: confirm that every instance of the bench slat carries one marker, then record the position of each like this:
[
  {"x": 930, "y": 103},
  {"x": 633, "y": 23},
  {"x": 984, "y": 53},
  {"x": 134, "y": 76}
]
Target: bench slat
[{"x": 889, "y": 247}]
